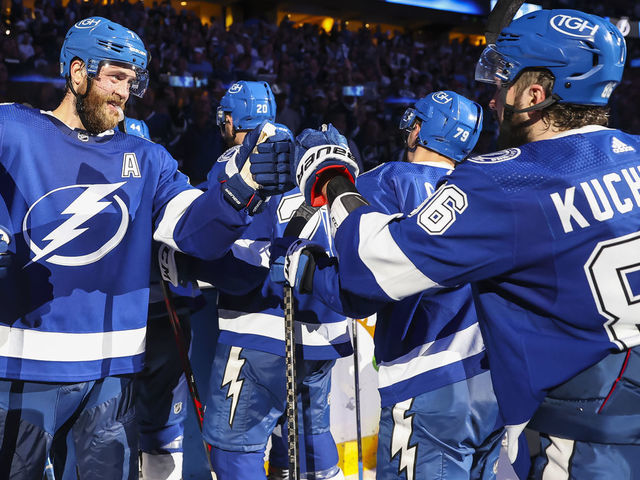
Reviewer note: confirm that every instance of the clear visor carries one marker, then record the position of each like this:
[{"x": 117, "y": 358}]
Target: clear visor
[
  {"x": 220, "y": 117},
  {"x": 408, "y": 119},
  {"x": 137, "y": 85},
  {"x": 493, "y": 67}
]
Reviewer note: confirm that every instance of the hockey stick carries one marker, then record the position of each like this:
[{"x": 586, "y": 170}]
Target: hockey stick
[
  {"x": 294, "y": 229},
  {"x": 48, "y": 469},
  {"x": 356, "y": 381},
  {"x": 183, "y": 351},
  {"x": 500, "y": 17}
]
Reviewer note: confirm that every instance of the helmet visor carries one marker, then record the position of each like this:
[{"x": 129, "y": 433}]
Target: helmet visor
[
  {"x": 408, "y": 119},
  {"x": 220, "y": 117},
  {"x": 494, "y": 67},
  {"x": 137, "y": 85}
]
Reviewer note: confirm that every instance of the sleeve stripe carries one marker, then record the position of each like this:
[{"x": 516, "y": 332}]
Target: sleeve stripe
[
  {"x": 253, "y": 252},
  {"x": 444, "y": 351},
  {"x": 173, "y": 212},
  {"x": 395, "y": 274}
]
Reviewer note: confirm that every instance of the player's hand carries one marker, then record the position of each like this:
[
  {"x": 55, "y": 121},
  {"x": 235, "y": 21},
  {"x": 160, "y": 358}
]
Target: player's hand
[
  {"x": 6, "y": 256},
  {"x": 294, "y": 262},
  {"x": 319, "y": 156},
  {"x": 261, "y": 167}
]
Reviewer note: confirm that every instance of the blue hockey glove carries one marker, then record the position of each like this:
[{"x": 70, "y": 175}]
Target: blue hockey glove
[
  {"x": 297, "y": 266},
  {"x": 260, "y": 168},
  {"x": 6, "y": 256},
  {"x": 319, "y": 155}
]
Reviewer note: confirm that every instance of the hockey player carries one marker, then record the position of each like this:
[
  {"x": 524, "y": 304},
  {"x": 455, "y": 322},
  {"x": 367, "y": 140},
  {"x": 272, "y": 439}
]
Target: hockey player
[
  {"x": 435, "y": 389},
  {"x": 161, "y": 388},
  {"x": 84, "y": 202},
  {"x": 247, "y": 386},
  {"x": 546, "y": 232}
]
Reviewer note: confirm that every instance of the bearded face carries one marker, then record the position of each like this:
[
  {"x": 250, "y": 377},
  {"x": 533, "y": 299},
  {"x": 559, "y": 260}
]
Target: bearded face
[
  {"x": 514, "y": 127},
  {"x": 100, "y": 111},
  {"x": 103, "y": 106}
]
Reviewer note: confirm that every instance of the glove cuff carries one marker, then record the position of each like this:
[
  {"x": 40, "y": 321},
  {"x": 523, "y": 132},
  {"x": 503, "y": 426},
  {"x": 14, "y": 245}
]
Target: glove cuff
[{"x": 240, "y": 195}]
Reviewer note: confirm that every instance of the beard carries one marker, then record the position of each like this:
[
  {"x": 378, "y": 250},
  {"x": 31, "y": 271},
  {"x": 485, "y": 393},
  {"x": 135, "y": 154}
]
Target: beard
[
  {"x": 514, "y": 129},
  {"x": 94, "y": 112}
]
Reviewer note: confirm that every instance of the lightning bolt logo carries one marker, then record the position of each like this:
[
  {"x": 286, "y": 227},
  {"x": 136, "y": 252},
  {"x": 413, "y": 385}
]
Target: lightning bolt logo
[
  {"x": 402, "y": 430},
  {"x": 86, "y": 206},
  {"x": 230, "y": 377}
]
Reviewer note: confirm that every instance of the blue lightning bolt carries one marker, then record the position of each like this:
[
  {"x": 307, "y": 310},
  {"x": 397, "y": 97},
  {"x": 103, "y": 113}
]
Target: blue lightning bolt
[
  {"x": 402, "y": 429},
  {"x": 231, "y": 373},
  {"x": 86, "y": 206}
]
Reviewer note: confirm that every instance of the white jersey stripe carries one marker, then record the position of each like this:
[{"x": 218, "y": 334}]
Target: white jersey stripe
[
  {"x": 173, "y": 212},
  {"x": 70, "y": 347},
  {"x": 272, "y": 326},
  {"x": 396, "y": 275},
  {"x": 432, "y": 355}
]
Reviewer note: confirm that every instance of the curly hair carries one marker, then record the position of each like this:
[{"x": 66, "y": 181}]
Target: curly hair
[{"x": 563, "y": 116}]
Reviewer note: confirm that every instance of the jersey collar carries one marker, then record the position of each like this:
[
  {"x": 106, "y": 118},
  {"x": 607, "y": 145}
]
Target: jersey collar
[{"x": 81, "y": 135}]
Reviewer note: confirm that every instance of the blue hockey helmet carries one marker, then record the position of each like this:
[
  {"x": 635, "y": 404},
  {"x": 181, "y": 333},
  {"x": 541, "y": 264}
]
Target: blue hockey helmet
[
  {"x": 451, "y": 123},
  {"x": 248, "y": 103},
  {"x": 585, "y": 53},
  {"x": 136, "y": 127},
  {"x": 96, "y": 40}
]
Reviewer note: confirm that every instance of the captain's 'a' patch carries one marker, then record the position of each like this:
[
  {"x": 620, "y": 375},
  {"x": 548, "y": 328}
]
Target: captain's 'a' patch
[{"x": 130, "y": 167}]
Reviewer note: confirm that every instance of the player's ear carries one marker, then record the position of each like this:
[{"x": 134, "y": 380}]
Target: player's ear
[
  {"x": 534, "y": 94},
  {"x": 78, "y": 74}
]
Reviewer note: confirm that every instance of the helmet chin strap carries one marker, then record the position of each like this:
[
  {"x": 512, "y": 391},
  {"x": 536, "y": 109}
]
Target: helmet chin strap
[
  {"x": 80, "y": 98},
  {"x": 511, "y": 110}
]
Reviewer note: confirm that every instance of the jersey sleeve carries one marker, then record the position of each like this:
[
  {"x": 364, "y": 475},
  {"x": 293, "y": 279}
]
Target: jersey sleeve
[
  {"x": 463, "y": 233},
  {"x": 202, "y": 224},
  {"x": 380, "y": 195}
]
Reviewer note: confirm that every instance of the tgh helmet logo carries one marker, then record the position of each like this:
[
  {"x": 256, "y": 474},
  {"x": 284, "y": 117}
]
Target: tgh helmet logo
[
  {"x": 574, "y": 26},
  {"x": 235, "y": 88},
  {"x": 88, "y": 23},
  {"x": 441, "y": 97}
]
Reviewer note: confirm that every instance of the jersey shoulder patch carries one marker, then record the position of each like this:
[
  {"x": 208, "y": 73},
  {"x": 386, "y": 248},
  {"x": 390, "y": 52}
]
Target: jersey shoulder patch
[
  {"x": 229, "y": 154},
  {"x": 497, "y": 157}
]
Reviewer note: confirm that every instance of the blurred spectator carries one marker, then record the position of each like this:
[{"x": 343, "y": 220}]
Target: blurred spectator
[
  {"x": 309, "y": 66},
  {"x": 201, "y": 144}
]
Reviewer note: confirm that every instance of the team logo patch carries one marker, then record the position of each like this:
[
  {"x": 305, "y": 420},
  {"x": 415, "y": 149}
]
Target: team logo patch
[
  {"x": 618, "y": 146},
  {"x": 573, "y": 26},
  {"x": 177, "y": 408},
  {"x": 91, "y": 220},
  {"x": 235, "y": 88},
  {"x": 88, "y": 23},
  {"x": 497, "y": 157},
  {"x": 441, "y": 97},
  {"x": 83, "y": 137}
]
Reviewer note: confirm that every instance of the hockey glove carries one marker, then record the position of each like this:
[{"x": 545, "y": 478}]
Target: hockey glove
[
  {"x": 298, "y": 265},
  {"x": 260, "y": 168},
  {"x": 319, "y": 155},
  {"x": 6, "y": 256},
  {"x": 175, "y": 267}
]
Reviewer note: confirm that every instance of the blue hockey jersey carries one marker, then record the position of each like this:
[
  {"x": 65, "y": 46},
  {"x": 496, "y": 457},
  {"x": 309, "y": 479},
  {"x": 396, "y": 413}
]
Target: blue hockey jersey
[
  {"x": 250, "y": 311},
  {"x": 83, "y": 211},
  {"x": 548, "y": 236},
  {"x": 423, "y": 342}
]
